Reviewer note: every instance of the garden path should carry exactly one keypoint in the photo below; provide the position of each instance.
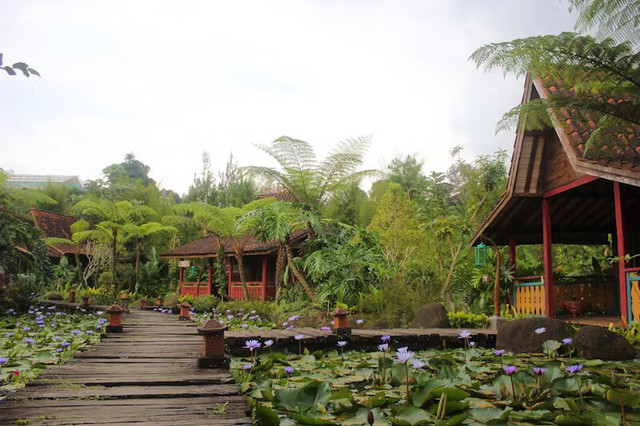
(147, 374)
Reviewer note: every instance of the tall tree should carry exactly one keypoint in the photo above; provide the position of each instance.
(141, 232)
(307, 180)
(396, 222)
(110, 221)
(618, 19)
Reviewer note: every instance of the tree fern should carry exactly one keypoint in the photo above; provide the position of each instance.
(618, 19)
(587, 81)
(308, 181)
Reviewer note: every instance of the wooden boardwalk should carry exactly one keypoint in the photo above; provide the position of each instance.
(147, 374)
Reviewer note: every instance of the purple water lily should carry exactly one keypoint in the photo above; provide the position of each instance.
(404, 355)
(289, 370)
(574, 368)
(509, 369)
(498, 352)
(567, 341)
(4, 360)
(342, 343)
(539, 371)
(383, 347)
(252, 344)
(417, 364)
(385, 338)
(268, 343)
(464, 334)
(540, 330)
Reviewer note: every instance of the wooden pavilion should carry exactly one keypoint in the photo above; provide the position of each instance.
(555, 195)
(259, 262)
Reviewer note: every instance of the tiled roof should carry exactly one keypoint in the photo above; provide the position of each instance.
(207, 246)
(619, 151)
(40, 181)
(54, 225)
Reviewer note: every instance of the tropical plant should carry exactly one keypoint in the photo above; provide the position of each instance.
(111, 221)
(140, 233)
(304, 178)
(345, 262)
(276, 222)
(591, 80)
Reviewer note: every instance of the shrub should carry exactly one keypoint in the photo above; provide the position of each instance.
(468, 320)
(205, 303)
(21, 292)
(186, 298)
(54, 296)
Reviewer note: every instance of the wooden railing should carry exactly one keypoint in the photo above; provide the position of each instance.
(194, 289)
(593, 292)
(633, 294)
(528, 296)
(254, 288)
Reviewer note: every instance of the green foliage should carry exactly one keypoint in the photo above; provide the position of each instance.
(21, 292)
(20, 66)
(631, 332)
(54, 296)
(613, 18)
(22, 251)
(234, 188)
(395, 302)
(408, 174)
(350, 205)
(397, 224)
(189, 298)
(461, 319)
(580, 66)
(205, 303)
(344, 263)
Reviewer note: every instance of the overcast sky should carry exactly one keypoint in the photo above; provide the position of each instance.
(167, 80)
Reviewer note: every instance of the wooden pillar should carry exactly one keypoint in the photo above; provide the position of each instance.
(512, 254)
(512, 266)
(230, 269)
(210, 277)
(620, 234)
(264, 277)
(549, 288)
(179, 278)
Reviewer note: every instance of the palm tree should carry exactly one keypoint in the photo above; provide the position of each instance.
(110, 223)
(141, 232)
(276, 222)
(305, 179)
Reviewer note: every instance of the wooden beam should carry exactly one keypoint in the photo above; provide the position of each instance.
(567, 187)
(620, 231)
(548, 259)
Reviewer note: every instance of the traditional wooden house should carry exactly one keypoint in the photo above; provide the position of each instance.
(555, 195)
(54, 225)
(259, 264)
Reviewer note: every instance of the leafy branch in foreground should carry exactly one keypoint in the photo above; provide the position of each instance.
(20, 66)
(587, 80)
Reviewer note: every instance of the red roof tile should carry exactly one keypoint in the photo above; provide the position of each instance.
(54, 225)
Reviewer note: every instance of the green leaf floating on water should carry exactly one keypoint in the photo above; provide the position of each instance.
(490, 415)
(307, 419)
(314, 395)
(411, 416)
(266, 415)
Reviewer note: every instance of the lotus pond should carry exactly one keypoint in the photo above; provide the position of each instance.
(462, 386)
(42, 337)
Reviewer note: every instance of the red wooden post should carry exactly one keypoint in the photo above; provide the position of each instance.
(340, 322)
(620, 233)
(184, 311)
(513, 265)
(180, 278)
(549, 288)
(264, 277)
(230, 268)
(210, 277)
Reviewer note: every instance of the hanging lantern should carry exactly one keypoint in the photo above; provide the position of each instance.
(481, 254)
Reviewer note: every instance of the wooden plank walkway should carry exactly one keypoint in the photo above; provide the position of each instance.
(145, 375)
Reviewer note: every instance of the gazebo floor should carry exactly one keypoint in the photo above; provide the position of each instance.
(602, 320)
